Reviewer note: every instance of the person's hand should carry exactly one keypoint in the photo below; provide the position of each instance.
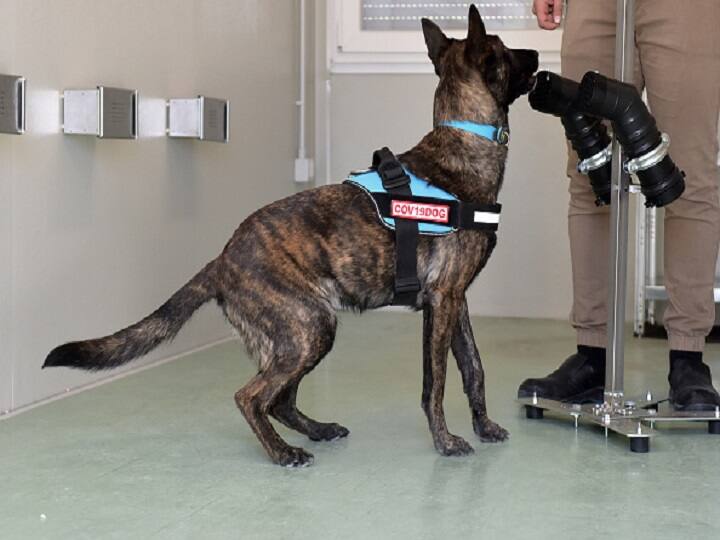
(548, 13)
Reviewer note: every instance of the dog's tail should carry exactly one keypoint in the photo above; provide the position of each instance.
(142, 337)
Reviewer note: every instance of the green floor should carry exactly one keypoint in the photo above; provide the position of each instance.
(165, 454)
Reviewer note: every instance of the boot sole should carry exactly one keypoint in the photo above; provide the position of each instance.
(594, 395)
(691, 407)
(694, 407)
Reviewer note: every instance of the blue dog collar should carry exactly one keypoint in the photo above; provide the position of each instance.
(499, 135)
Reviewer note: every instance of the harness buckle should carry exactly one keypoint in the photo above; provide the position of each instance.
(407, 284)
(393, 175)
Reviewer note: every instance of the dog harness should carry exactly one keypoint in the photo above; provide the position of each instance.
(411, 206)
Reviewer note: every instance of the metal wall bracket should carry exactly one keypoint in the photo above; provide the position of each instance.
(107, 113)
(202, 118)
(12, 104)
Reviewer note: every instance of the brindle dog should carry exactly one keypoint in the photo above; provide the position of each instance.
(291, 265)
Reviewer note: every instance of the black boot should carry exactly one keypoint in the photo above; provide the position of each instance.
(580, 379)
(691, 387)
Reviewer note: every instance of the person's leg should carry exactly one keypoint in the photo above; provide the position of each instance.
(588, 44)
(680, 55)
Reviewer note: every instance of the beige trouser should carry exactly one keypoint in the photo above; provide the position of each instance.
(677, 61)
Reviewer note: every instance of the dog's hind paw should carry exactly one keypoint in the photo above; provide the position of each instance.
(295, 457)
(328, 432)
(490, 432)
(452, 445)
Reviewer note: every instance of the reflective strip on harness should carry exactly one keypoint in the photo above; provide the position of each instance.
(486, 217)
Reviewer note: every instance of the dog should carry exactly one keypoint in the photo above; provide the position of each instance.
(291, 265)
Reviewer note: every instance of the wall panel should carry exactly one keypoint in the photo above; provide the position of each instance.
(104, 230)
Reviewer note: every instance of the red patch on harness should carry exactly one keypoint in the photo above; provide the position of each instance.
(438, 213)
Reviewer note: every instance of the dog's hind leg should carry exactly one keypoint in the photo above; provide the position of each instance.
(255, 401)
(302, 334)
(286, 411)
(468, 360)
(439, 318)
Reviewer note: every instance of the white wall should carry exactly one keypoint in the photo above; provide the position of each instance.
(98, 233)
(7, 43)
(6, 163)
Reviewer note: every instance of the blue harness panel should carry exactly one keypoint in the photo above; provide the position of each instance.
(371, 182)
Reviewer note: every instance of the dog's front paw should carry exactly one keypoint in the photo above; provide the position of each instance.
(489, 431)
(452, 445)
(328, 432)
(294, 457)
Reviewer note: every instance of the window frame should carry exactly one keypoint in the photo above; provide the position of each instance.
(353, 50)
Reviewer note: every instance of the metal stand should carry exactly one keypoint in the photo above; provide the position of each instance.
(634, 419)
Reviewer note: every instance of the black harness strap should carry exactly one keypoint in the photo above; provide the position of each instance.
(397, 183)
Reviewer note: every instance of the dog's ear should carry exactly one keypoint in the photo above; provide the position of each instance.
(477, 35)
(437, 42)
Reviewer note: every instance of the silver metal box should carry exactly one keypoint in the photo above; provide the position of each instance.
(12, 104)
(203, 118)
(108, 113)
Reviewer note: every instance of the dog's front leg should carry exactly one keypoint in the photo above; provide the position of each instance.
(439, 319)
(473, 377)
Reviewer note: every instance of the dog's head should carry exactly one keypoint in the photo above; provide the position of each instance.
(473, 69)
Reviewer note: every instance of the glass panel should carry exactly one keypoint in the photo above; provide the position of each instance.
(397, 15)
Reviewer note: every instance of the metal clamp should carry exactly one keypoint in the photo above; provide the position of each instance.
(592, 163)
(652, 158)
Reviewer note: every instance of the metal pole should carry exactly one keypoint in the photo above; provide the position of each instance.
(624, 56)
(652, 258)
(641, 272)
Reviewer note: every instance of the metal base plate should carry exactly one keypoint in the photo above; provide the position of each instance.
(633, 419)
